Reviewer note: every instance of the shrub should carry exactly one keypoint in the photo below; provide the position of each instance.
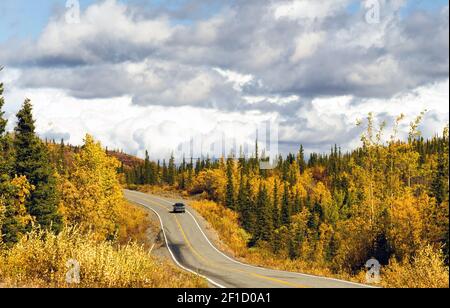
(39, 260)
(426, 270)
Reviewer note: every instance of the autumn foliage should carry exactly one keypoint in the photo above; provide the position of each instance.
(330, 214)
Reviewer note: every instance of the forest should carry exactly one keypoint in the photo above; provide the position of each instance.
(328, 213)
(62, 208)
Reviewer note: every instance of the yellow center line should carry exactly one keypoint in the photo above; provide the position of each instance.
(231, 269)
(210, 263)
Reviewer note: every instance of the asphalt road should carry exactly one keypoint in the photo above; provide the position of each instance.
(191, 250)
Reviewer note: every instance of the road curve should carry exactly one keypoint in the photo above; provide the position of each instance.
(193, 251)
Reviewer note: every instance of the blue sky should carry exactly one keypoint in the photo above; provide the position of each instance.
(26, 18)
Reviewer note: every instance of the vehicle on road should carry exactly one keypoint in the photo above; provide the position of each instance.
(179, 208)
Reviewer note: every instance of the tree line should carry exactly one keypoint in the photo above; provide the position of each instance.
(385, 199)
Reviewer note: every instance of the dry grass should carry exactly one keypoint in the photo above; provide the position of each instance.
(39, 260)
(133, 223)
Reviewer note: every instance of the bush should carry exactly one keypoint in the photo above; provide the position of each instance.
(226, 223)
(426, 270)
(132, 223)
(40, 258)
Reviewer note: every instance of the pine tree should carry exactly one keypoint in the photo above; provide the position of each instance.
(285, 207)
(3, 121)
(264, 222)
(246, 208)
(301, 160)
(229, 198)
(32, 161)
(165, 178)
(276, 207)
(61, 163)
(171, 172)
(6, 149)
(147, 169)
(438, 186)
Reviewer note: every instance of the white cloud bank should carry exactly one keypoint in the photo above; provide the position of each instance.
(137, 80)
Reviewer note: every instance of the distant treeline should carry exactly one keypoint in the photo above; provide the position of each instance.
(384, 199)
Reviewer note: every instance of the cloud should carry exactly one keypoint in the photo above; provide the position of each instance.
(316, 65)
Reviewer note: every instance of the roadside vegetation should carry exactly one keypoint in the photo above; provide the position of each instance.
(61, 204)
(331, 213)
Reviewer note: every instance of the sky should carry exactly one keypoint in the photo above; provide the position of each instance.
(163, 75)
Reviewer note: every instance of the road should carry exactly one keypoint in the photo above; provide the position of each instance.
(191, 250)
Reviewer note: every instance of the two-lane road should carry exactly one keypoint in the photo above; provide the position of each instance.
(191, 249)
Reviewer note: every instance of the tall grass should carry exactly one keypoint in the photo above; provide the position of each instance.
(40, 260)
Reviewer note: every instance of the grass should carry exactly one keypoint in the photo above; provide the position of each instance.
(40, 260)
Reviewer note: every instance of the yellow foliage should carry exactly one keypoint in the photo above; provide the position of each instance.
(23, 190)
(406, 225)
(226, 223)
(40, 260)
(426, 270)
(212, 183)
(133, 224)
(91, 192)
(2, 217)
(355, 237)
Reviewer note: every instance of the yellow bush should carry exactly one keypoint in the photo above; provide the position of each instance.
(40, 260)
(426, 270)
(225, 222)
(133, 223)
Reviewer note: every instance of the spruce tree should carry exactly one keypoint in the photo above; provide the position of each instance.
(248, 216)
(264, 224)
(147, 169)
(301, 160)
(439, 185)
(5, 166)
(32, 161)
(6, 149)
(276, 207)
(164, 172)
(229, 198)
(171, 172)
(285, 207)
(3, 121)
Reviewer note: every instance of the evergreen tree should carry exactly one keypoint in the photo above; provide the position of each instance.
(165, 178)
(148, 176)
(229, 198)
(6, 148)
(3, 121)
(32, 161)
(245, 206)
(276, 207)
(264, 222)
(171, 172)
(61, 160)
(301, 160)
(285, 207)
(439, 187)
